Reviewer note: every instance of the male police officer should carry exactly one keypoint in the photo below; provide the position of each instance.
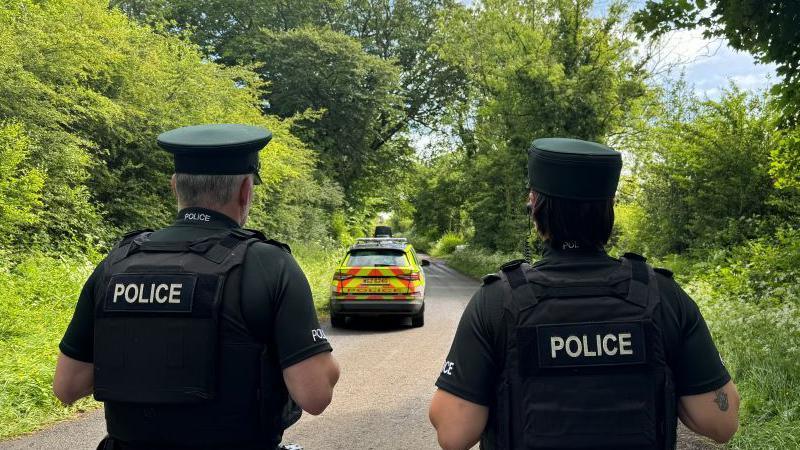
(580, 350)
(201, 334)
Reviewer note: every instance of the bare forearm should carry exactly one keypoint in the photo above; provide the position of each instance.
(311, 382)
(458, 422)
(73, 379)
(713, 414)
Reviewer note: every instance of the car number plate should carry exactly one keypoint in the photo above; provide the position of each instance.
(374, 290)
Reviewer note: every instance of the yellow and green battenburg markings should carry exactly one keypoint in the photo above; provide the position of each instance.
(378, 283)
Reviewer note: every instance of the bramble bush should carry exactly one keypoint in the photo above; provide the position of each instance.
(447, 244)
(319, 261)
(476, 261)
(420, 242)
(751, 301)
(39, 295)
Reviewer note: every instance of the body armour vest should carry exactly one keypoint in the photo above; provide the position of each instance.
(584, 363)
(173, 363)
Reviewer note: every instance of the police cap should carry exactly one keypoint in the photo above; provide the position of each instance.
(573, 169)
(216, 149)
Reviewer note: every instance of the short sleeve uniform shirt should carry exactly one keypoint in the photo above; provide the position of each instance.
(274, 291)
(475, 362)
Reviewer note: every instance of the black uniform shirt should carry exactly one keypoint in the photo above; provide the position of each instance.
(473, 366)
(276, 299)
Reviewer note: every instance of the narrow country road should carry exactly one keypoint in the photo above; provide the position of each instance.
(381, 401)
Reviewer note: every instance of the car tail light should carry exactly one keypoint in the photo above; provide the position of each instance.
(414, 276)
(342, 276)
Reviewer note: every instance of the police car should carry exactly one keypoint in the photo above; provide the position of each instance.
(379, 277)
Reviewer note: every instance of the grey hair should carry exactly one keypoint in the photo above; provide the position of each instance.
(206, 190)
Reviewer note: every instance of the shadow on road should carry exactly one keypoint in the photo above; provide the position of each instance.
(357, 326)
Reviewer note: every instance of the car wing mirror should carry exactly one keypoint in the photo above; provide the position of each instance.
(425, 263)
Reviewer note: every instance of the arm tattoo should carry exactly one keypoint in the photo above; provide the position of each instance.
(721, 399)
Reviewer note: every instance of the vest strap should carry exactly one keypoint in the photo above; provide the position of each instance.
(222, 249)
(639, 291)
(544, 292)
(516, 276)
(519, 291)
(164, 246)
(216, 252)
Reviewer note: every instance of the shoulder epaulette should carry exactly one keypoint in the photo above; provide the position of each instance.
(512, 265)
(263, 238)
(490, 278)
(635, 256)
(663, 271)
(127, 237)
(281, 245)
(250, 233)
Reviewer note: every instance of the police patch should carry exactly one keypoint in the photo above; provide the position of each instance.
(150, 293)
(584, 344)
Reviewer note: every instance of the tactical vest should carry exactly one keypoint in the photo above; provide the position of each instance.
(170, 367)
(584, 363)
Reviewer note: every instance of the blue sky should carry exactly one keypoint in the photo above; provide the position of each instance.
(708, 65)
(712, 65)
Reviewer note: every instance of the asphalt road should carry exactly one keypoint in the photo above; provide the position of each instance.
(381, 401)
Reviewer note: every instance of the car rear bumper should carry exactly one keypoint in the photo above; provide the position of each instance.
(354, 306)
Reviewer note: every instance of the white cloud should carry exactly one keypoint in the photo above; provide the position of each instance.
(708, 64)
(689, 47)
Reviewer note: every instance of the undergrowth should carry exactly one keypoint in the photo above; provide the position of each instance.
(39, 296)
(476, 261)
(319, 262)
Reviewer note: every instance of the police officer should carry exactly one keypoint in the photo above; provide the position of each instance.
(580, 350)
(202, 334)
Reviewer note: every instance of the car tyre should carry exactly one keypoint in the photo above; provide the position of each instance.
(418, 320)
(337, 321)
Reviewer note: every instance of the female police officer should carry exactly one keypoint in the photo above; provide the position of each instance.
(202, 334)
(580, 350)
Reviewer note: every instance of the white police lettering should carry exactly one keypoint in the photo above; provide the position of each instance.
(570, 245)
(197, 217)
(152, 293)
(447, 369)
(318, 334)
(625, 341)
(586, 346)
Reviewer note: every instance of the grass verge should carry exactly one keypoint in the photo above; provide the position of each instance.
(39, 296)
(318, 263)
(477, 262)
(38, 300)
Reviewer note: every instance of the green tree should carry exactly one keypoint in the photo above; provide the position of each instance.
(536, 69)
(377, 81)
(93, 89)
(765, 28)
(322, 70)
(439, 203)
(705, 180)
(20, 183)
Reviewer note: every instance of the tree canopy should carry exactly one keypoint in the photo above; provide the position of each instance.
(83, 93)
(765, 28)
(535, 69)
(363, 66)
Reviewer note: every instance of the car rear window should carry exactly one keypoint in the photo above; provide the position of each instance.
(377, 258)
